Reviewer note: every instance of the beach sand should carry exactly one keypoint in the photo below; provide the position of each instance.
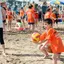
(21, 50)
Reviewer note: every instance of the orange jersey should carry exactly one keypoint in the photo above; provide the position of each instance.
(36, 15)
(53, 17)
(47, 15)
(21, 13)
(33, 11)
(54, 40)
(9, 15)
(30, 15)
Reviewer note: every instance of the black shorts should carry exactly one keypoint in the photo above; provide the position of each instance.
(31, 23)
(4, 21)
(1, 36)
(56, 21)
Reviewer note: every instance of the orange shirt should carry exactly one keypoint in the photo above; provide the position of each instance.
(36, 15)
(53, 17)
(9, 15)
(30, 15)
(47, 15)
(55, 41)
(21, 13)
(33, 11)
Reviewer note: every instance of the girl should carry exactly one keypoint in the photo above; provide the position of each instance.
(47, 14)
(22, 16)
(52, 40)
(9, 18)
(19, 25)
(30, 18)
(58, 16)
(36, 18)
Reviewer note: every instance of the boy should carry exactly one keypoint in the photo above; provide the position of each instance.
(52, 40)
(30, 18)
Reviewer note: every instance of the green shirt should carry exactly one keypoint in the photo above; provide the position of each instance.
(19, 24)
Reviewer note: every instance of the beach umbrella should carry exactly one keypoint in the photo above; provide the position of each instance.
(57, 2)
(54, 2)
(61, 2)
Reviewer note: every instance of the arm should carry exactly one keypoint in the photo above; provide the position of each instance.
(43, 41)
(52, 16)
(3, 14)
(43, 38)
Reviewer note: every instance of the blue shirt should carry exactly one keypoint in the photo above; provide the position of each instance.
(44, 8)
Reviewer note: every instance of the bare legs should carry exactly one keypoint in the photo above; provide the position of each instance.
(9, 25)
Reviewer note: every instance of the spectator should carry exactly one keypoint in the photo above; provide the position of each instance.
(44, 8)
(1, 29)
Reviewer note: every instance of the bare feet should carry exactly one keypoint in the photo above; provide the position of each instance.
(46, 57)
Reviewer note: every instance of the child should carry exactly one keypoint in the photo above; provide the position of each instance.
(58, 16)
(19, 25)
(22, 16)
(40, 15)
(30, 18)
(47, 14)
(36, 18)
(52, 39)
(9, 18)
(53, 16)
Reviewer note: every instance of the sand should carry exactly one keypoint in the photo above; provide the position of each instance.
(21, 50)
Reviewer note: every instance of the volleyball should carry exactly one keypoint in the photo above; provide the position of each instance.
(36, 37)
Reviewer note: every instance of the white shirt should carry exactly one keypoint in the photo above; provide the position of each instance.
(1, 19)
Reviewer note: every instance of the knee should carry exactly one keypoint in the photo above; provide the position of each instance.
(41, 47)
(55, 56)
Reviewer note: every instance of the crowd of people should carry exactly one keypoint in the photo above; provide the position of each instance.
(46, 14)
(39, 14)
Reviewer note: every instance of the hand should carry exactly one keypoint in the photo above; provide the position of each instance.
(40, 42)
